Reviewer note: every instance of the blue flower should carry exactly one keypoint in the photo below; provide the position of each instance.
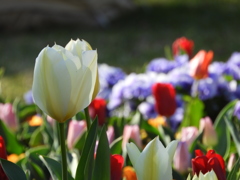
(161, 65)
(207, 88)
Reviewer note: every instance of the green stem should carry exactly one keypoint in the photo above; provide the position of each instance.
(88, 120)
(63, 150)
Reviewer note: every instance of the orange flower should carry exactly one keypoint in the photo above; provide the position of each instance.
(35, 120)
(158, 121)
(199, 64)
(15, 158)
(129, 173)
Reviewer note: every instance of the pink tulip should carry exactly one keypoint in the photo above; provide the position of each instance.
(231, 161)
(189, 134)
(75, 131)
(133, 132)
(8, 116)
(209, 133)
(182, 157)
(110, 134)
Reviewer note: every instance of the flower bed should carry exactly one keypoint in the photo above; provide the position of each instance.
(180, 119)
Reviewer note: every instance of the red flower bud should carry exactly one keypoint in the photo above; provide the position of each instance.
(164, 95)
(182, 44)
(117, 162)
(98, 108)
(3, 155)
(206, 163)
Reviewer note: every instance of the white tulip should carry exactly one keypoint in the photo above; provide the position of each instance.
(63, 82)
(154, 162)
(208, 176)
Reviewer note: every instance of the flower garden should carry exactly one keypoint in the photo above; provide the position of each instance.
(178, 119)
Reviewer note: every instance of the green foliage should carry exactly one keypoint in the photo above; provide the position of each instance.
(13, 171)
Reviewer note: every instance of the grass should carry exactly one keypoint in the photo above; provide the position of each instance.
(129, 42)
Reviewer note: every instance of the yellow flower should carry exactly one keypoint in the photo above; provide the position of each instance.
(65, 80)
(35, 121)
(15, 158)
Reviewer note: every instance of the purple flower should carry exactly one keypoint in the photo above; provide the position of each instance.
(237, 110)
(207, 88)
(110, 75)
(181, 60)
(180, 78)
(147, 110)
(232, 70)
(235, 59)
(28, 97)
(176, 118)
(216, 68)
(161, 65)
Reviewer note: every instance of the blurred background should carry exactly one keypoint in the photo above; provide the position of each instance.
(126, 33)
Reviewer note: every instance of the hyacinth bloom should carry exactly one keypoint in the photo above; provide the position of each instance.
(165, 99)
(8, 116)
(131, 132)
(65, 79)
(182, 45)
(98, 108)
(207, 176)
(199, 64)
(206, 163)
(209, 134)
(129, 173)
(3, 155)
(189, 134)
(75, 131)
(154, 162)
(182, 159)
(116, 163)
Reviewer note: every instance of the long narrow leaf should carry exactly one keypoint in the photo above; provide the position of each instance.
(88, 151)
(102, 170)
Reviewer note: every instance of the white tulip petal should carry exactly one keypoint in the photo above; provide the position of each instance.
(156, 162)
(171, 148)
(133, 152)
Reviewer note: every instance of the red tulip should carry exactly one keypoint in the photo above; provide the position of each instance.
(98, 108)
(117, 162)
(206, 163)
(182, 44)
(199, 64)
(3, 155)
(164, 95)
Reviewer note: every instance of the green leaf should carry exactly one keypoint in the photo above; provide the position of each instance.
(149, 128)
(235, 174)
(235, 134)
(26, 111)
(88, 152)
(36, 171)
(195, 143)
(13, 171)
(177, 175)
(116, 146)
(224, 139)
(102, 170)
(12, 144)
(193, 112)
(54, 168)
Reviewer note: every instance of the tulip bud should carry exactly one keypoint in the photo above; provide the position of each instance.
(110, 134)
(3, 155)
(129, 173)
(181, 158)
(116, 164)
(207, 176)
(8, 116)
(231, 162)
(133, 132)
(182, 44)
(98, 108)
(165, 101)
(199, 64)
(65, 83)
(189, 134)
(75, 131)
(209, 133)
